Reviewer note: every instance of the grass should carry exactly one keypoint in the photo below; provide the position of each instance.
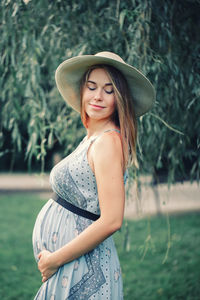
(145, 275)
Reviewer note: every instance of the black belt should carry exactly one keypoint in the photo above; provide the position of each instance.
(76, 210)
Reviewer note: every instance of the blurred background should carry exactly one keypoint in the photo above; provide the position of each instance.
(37, 129)
(161, 38)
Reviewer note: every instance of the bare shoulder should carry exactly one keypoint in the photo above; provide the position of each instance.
(108, 147)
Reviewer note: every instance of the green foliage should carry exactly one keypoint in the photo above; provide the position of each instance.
(174, 40)
(159, 38)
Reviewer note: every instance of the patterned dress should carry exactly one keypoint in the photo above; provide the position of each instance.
(95, 275)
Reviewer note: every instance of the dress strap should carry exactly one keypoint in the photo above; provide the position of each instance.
(98, 136)
(114, 129)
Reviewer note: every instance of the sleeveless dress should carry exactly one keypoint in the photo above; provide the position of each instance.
(95, 275)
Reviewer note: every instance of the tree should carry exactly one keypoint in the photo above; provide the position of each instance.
(160, 38)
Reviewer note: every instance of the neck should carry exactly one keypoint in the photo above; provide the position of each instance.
(97, 127)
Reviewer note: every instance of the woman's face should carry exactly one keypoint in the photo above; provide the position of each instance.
(98, 97)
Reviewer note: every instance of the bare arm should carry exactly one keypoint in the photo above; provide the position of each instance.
(108, 166)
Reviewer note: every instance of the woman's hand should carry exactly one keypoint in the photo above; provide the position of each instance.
(46, 265)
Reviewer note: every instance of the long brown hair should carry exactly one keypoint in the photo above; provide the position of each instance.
(124, 115)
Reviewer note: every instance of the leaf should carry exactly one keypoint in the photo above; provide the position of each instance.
(122, 18)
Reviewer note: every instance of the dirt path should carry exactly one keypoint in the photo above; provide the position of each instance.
(158, 200)
(179, 198)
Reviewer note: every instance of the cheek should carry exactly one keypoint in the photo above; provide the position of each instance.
(86, 96)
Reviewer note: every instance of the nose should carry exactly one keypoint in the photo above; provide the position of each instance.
(97, 95)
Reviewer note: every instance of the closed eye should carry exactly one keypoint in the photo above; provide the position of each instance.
(91, 85)
(109, 92)
(108, 88)
(91, 88)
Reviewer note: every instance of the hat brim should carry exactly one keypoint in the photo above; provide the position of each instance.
(70, 72)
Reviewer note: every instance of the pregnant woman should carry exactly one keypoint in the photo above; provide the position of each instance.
(72, 237)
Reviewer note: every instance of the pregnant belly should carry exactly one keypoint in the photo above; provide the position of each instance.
(54, 227)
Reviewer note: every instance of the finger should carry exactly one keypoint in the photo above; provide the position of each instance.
(39, 255)
(40, 267)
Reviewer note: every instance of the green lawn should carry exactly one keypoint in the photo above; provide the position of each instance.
(144, 276)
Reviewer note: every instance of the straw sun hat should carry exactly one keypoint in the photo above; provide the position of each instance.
(69, 74)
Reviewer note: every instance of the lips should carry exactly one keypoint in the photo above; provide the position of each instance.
(97, 106)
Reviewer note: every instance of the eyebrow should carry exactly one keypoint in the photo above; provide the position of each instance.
(107, 84)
